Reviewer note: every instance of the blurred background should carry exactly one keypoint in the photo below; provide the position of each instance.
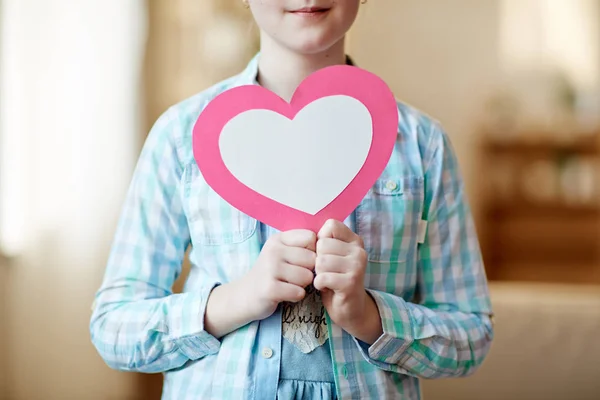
(516, 83)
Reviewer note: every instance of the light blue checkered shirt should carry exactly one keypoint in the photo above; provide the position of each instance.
(432, 296)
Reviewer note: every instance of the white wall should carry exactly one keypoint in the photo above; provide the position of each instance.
(436, 59)
(70, 76)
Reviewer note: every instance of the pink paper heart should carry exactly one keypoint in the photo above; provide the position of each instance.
(344, 80)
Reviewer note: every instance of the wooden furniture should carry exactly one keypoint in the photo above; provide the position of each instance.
(541, 219)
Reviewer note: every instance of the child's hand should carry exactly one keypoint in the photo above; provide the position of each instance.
(282, 271)
(340, 268)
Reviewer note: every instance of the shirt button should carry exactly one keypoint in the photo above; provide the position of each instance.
(391, 185)
(267, 352)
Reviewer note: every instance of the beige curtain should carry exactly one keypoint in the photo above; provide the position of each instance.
(70, 116)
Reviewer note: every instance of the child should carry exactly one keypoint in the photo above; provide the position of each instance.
(402, 302)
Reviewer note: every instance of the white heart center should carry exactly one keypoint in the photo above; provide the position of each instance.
(304, 163)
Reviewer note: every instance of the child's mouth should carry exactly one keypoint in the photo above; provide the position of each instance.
(310, 12)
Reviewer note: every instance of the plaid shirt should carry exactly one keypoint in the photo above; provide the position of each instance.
(432, 296)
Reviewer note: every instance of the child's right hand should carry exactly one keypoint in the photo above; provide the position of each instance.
(283, 269)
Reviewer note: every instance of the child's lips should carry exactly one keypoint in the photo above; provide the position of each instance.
(310, 12)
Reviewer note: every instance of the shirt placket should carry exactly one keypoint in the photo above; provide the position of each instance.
(267, 357)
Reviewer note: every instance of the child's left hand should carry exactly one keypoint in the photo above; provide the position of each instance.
(340, 274)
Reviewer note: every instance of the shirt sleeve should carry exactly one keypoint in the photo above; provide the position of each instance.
(449, 332)
(138, 324)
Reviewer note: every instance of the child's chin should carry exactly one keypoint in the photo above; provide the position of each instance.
(313, 45)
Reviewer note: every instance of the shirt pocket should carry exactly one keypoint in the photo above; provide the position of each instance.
(212, 221)
(388, 219)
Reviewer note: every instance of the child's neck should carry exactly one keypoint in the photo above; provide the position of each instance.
(282, 70)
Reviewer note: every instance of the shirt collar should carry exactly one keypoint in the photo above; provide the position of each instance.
(249, 75)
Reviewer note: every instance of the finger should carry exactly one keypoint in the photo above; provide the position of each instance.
(284, 291)
(300, 257)
(333, 246)
(337, 230)
(332, 281)
(298, 276)
(299, 238)
(331, 263)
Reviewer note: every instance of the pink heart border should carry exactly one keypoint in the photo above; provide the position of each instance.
(351, 81)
